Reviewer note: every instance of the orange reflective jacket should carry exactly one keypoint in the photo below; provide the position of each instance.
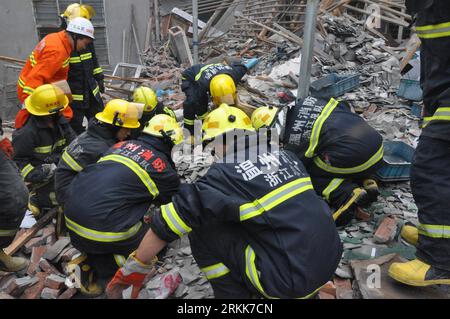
(48, 63)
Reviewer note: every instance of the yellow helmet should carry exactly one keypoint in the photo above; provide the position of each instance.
(45, 100)
(121, 113)
(224, 119)
(146, 96)
(264, 116)
(76, 10)
(165, 126)
(223, 90)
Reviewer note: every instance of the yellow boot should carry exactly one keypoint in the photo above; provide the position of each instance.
(84, 277)
(419, 274)
(11, 264)
(410, 234)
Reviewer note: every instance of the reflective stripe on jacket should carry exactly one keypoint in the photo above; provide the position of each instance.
(48, 63)
(294, 245)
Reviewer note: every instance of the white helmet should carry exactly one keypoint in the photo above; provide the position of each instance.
(81, 26)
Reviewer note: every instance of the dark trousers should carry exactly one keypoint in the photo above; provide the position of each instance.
(43, 195)
(224, 243)
(13, 200)
(78, 115)
(322, 179)
(430, 184)
(105, 257)
(195, 104)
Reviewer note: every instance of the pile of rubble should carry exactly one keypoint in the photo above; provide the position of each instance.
(371, 240)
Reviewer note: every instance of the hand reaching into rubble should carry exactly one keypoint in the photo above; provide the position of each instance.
(133, 273)
(138, 266)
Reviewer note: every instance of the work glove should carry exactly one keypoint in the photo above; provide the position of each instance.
(249, 64)
(133, 273)
(48, 171)
(101, 86)
(6, 146)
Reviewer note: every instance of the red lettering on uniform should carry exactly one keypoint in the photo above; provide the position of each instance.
(132, 147)
(118, 145)
(159, 165)
(146, 154)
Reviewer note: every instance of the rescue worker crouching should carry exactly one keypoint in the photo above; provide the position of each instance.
(103, 132)
(13, 205)
(256, 228)
(105, 223)
(152, 107)
(85, 76)
(218, 81)
(339, 149)
(39, 143)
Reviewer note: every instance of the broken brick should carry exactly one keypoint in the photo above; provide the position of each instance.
(17, 286)
(329, 288)
(343, 288)
(4, 280)
(36, 254)
(34, 292)
(324, 295)
(69, 293)
(69, 254)
(55, 282)
(48, 268)
(34, 242)
(56, 248)
(361, 214)
(49, 293)
(386, 231)
(4, 296)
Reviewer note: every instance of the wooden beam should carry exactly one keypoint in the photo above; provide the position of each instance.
(393, 21)
(29, 233)
(409, 55)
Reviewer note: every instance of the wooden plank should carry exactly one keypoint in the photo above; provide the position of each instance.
(289, 33)
(397, 22)
(209, 24)
(409, 55)
(29, 233)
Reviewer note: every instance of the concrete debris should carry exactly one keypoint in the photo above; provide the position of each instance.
(49, 293)
(373, 281)
(344, 46)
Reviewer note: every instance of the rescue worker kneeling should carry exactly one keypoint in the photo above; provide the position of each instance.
(339, 149)
(103, 131)
(107, 201)
(256, 228)
(13, 205)
(152, 107)
(39, 143)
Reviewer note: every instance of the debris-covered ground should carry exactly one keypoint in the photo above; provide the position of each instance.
(371, 240)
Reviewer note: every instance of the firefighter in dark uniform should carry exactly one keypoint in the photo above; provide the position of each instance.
(13, 205)
(85, 77)
(102, 133)
(105, 223)
(430, 171)
(152, 107)
(218, 81)
(39, 143)
(256, 226)
(339, 149)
